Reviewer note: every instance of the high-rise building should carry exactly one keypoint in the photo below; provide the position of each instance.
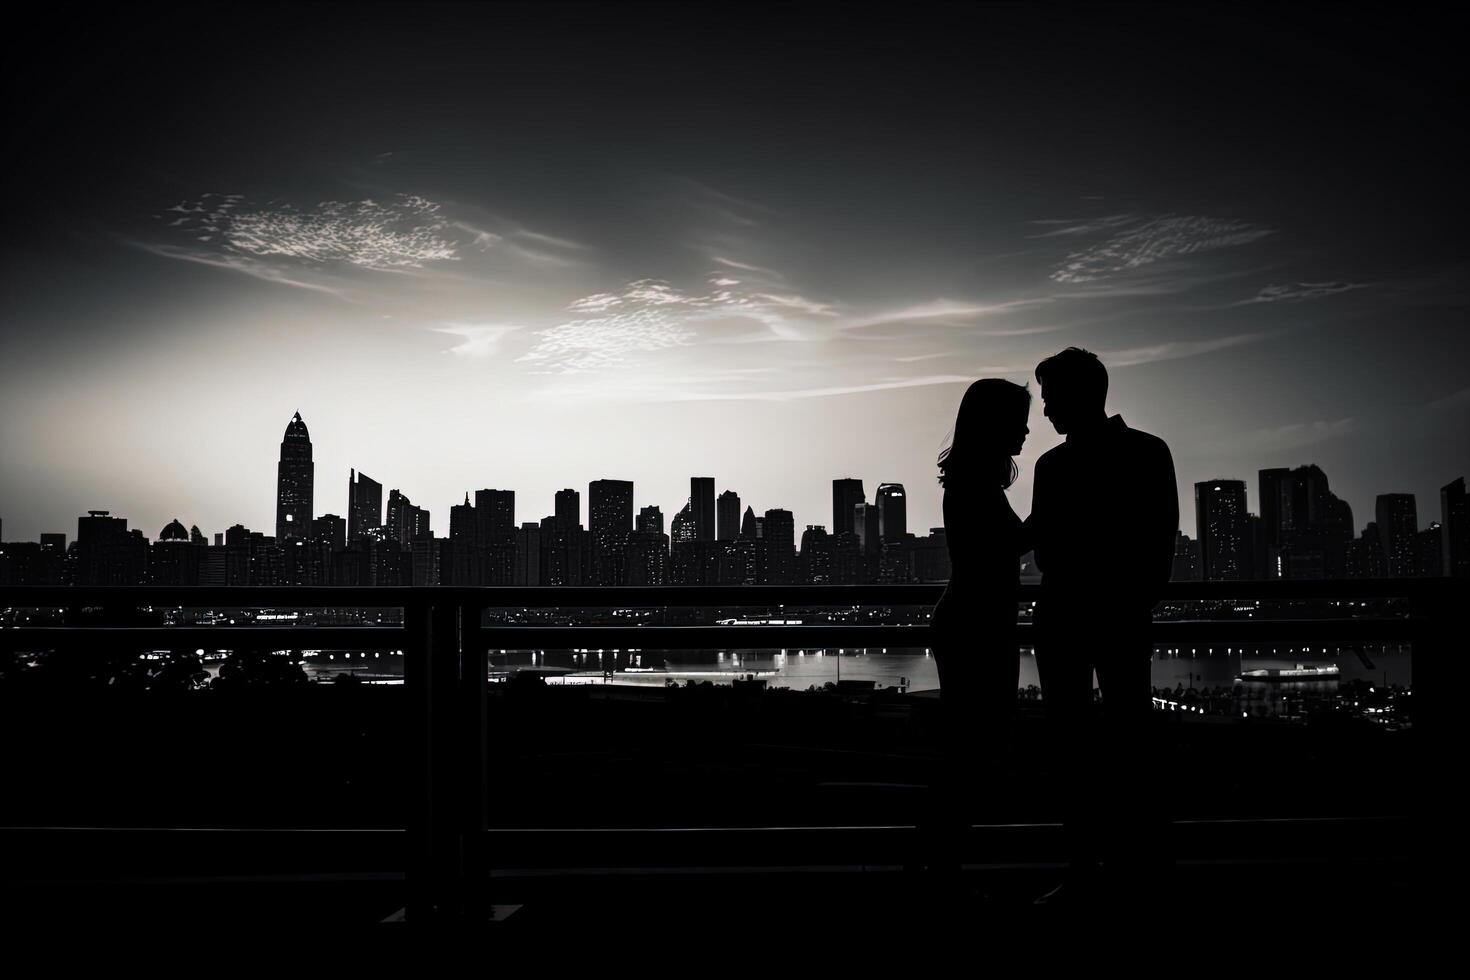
(1305, 527)
(892, 512)
(1398, 524)
(847, 493)
(1365, 555)
(1454, 529)
(684, 528)
(931, 557)
(462, 525)
(778, 531)
(650, 520)
(55, 541)
(814, 561)
(108, 553)
(331, 530)
(364, 506)
(1186, 558)
(568, 510)
(702, 505)
(865, 525)
(610, 520)
(747, 524)
(294, 477)
(1223, 529)
(407, 524)
(728, 507)
(528, 554)
(648, 555)
(1428, 545)
(495, 517)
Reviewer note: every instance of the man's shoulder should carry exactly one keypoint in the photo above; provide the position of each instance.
(1053, 456)
(1142, 441)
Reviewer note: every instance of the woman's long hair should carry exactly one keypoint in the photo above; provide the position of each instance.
(977, 450)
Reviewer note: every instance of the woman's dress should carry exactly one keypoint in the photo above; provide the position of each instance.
(975, 646)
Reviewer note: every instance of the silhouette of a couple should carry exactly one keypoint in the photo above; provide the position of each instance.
(1104, 514)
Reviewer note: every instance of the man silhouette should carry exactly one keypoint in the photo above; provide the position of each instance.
(1104, 513)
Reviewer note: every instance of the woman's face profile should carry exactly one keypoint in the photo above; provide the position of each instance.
(1019, 431)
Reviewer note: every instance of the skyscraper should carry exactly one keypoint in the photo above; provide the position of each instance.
(847, 493)
(729, 516)
(747, 524)
(1223, 529)
(406, 523)
(1398, 523)
(568, 510)
(702, 505)
(684, 529)
(815, 560)
(495, 516)
(364, 506)
(331, 530)
(778, 532)
(1454, 529)
(610, 520)
(892, 512)
(528, 554)
(865, 524)
(462, 523)
(294, 478)
(1305, 527)
(650, 520)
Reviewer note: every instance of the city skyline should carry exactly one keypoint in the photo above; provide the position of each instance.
(773, 270)
(495, 509)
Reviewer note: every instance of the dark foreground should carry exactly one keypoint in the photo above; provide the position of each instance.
(779, 816)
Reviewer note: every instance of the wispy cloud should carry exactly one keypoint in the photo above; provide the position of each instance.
(1152, 241)
(237, 263)
(477, 340)
(675, 390)
(404, 233)
(1175, 349)
(939, 311)
(498, 236)
(1059, 227)
(652, 315)
(1297, 291)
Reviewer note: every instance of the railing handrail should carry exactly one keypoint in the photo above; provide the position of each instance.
(551, 596)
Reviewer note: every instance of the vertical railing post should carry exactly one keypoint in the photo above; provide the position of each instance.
(432, 675)
(473, 770)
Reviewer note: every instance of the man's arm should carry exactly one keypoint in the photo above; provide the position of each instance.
(1035, 528)
(1163, 517)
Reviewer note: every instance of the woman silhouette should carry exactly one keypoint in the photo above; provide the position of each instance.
(974, 624)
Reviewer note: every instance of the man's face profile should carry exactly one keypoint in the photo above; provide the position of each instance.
(1054, 409)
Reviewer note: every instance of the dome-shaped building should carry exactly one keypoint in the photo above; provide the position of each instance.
(175, 531)
(174, 559)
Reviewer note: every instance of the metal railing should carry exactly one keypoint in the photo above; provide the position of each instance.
(446, 642)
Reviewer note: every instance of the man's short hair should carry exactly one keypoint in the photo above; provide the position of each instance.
(1077, 370)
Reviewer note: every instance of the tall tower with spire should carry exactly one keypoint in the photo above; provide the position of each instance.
(294, 478)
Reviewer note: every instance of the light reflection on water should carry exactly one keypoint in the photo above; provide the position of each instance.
(912, 668)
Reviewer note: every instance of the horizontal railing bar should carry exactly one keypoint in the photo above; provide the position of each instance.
(767, 637)
(659, 595)
(666, 637)
(209, 637)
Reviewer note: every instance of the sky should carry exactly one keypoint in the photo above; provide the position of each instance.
(531, 247)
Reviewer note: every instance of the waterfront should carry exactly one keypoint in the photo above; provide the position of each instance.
(913, 670)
